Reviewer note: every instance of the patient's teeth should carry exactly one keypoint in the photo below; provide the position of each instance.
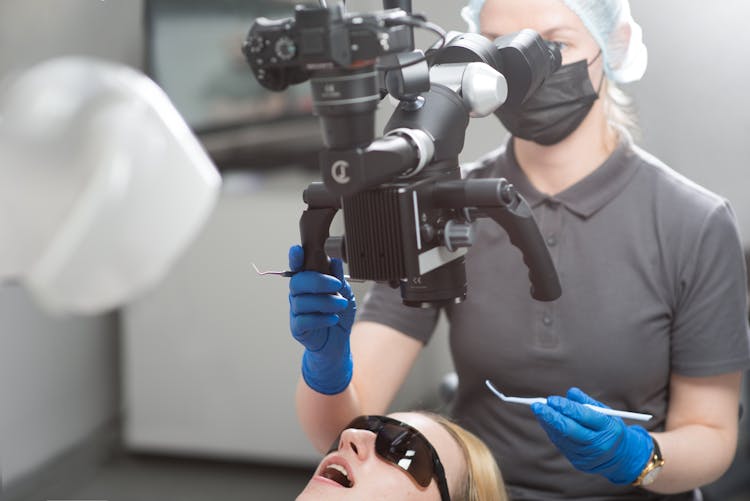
(340, 469)
(338, 474)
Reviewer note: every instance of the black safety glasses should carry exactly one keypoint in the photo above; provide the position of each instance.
(405, 447)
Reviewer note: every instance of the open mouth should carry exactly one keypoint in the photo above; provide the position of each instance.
(338, 473)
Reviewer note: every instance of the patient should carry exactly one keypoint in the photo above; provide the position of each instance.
(411, 455)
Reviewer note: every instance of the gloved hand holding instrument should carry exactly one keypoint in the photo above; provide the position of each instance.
(594, 442)
(321, 314)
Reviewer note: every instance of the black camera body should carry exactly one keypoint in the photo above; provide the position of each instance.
(284, 52)
(408, 215)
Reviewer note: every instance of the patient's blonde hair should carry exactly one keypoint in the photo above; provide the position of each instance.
(483, 481)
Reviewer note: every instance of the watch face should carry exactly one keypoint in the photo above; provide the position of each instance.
(651, 476)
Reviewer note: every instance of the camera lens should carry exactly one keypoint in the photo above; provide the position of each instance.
(346, 101)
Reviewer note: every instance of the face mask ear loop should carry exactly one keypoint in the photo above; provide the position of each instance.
(601, 80)
(598, 54)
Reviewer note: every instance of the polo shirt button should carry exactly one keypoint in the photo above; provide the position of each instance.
(552, 240)
(547, 320)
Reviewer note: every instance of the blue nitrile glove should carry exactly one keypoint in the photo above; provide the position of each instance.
(321, 314)
(594, 442)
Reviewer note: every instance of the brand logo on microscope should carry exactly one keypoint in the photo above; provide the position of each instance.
(338, 171)
(330, 92)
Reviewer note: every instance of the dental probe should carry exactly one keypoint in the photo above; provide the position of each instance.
(289, 273)
(541, 400)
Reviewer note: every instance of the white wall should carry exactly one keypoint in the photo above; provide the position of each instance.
(58, 378)
(58, 381)
(694, 104)
(35, 30)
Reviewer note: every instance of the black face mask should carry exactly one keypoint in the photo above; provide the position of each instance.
(556, 109)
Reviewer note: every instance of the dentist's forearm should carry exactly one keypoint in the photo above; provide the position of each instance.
(324, 416)
(695, 455)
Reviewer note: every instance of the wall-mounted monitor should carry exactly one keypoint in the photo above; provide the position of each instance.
(194, 53)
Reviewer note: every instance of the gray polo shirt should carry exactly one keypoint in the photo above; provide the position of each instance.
(653, 281)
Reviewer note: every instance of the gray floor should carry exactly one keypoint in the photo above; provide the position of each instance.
(155, 478)
(144, 478)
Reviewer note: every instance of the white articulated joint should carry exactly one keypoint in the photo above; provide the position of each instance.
(423, 143)
(483, 88)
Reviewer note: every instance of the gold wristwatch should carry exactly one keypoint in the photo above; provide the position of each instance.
(652, 468)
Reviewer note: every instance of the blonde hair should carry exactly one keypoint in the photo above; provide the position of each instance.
(620, 110)
(483, 480)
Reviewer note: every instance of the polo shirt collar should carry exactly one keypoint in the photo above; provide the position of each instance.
(589, 194)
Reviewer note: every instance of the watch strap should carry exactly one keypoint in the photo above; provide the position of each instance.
(655, 462)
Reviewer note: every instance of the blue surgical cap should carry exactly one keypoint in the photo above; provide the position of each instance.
(613, 28)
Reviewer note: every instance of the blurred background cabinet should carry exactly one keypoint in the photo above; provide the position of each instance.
(209, 366)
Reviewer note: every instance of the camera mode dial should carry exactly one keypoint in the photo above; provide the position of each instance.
(285, 48)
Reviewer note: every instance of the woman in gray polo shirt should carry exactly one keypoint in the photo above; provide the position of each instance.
(653, 316)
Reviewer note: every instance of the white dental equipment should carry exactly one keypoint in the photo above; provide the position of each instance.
(102, 184)
(541, 400)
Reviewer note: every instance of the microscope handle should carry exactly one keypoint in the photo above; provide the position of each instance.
(313, 228)
(518, 221)
(499, 200)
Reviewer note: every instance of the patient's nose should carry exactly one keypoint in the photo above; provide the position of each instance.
(361, 442)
